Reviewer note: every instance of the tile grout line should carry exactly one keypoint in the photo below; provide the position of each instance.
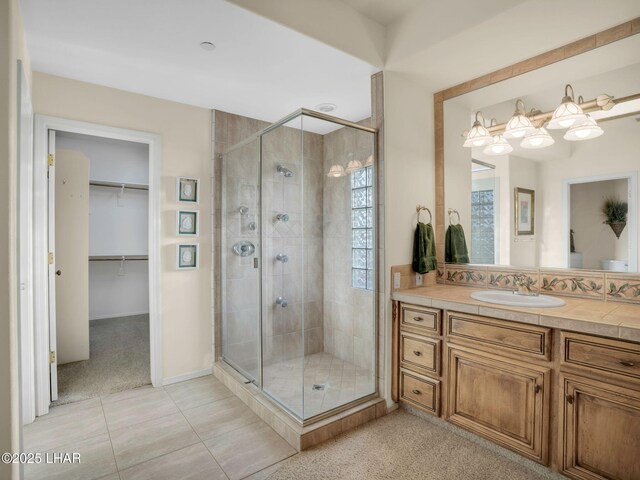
(113, 452)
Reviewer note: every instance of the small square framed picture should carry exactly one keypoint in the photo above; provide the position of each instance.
(187, 222)
(187, 256)
(187, 189)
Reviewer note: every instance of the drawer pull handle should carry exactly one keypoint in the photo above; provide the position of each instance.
(569, 399)
(418, 319)
(416, 391)
(417, 353)
(626, 363)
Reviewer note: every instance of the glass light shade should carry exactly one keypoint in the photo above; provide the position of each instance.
(478, 136)
(499, 146)
(539, 138)
(353, 166)
(369, 162)
(567, 115)
(336, 171)
(518, 126)
(584, 131)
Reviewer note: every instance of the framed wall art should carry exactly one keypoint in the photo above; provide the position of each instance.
(187, 256)
(187, 190)
(525, 211)
(187, 222)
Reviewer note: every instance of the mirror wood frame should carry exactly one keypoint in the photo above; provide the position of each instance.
(569, 50)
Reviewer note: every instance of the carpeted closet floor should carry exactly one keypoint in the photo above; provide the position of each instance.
(119, 349)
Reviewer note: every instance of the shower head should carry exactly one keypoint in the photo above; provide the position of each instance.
(285, 171)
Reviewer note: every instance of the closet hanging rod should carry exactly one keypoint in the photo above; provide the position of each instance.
(118, 258)
(134, 186)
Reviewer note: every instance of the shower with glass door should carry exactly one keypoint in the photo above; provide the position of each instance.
(298, 267)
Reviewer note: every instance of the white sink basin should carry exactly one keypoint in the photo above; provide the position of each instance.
(510, 298)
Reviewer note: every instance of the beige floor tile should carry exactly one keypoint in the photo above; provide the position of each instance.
(144, 441)
(191, 463)
(71, 408)
(265, 473)
(220, 417)
(138, 409)
(128, 394)
(96, 461)
(113, 476)
(45, 435)
(197, 392)
(248, 450)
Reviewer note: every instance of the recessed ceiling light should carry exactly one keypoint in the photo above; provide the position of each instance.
(326, 107)
(208, 46)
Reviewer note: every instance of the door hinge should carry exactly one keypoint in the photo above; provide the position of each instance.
(50, 258)
(51, 158)
(52, 357)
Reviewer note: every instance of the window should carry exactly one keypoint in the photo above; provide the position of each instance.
(362, 228)
(482, 227)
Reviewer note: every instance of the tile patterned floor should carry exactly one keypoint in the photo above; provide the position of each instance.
(343, 382)
(191, 430)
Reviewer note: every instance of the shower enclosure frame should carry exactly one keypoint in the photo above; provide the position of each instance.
(259, 381)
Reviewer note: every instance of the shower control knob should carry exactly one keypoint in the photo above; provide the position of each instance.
(282, 217)
(282, 302)
(282, 257)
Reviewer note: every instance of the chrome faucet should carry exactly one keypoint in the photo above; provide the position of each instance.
(523, 284)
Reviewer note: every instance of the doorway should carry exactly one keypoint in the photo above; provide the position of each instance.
(98, 194)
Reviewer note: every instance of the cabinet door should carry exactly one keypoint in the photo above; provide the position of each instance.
(601, 430)
(504, 400)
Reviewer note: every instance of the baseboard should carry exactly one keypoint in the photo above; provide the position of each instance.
(187, 376)
(117, 315)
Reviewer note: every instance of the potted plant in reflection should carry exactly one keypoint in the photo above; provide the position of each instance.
(615, 214)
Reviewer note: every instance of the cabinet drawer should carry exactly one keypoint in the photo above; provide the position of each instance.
(602, 354)
(420, 391)
(508, 337)
(420, 353)
(421, 320)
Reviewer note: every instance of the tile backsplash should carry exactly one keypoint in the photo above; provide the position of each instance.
(598, 285)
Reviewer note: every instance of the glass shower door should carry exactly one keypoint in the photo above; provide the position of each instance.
(240, 269)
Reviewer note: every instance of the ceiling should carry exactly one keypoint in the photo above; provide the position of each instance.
(259, 68)
(384, 12)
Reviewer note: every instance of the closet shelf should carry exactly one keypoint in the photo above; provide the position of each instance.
(117, 258)
(133, 186)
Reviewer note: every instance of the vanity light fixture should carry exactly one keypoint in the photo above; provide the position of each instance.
(568, 114)
(539, 138)
(584, 131)
(478, 136)
(336, 171)
(499, 146)
(519, 125)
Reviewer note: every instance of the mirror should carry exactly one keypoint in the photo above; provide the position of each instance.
(543, 207)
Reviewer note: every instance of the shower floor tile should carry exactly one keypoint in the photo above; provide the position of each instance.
(340, 382)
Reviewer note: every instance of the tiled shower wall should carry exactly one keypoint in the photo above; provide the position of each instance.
(298, 280)
(348, 329)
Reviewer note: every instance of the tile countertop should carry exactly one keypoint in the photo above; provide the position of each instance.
(608, 319)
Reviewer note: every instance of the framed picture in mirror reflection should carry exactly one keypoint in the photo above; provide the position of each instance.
(525, 211)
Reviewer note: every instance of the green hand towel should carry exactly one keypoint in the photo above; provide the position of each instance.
(424, 249)
(455, 245)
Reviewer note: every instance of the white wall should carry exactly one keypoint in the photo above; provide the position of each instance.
(523, 173)
(186, 151)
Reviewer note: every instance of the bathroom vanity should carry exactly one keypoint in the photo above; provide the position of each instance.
(560, 386)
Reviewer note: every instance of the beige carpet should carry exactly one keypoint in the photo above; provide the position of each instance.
(403, 446)
(119, 350)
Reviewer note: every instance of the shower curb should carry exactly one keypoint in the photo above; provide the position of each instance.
(299, 436)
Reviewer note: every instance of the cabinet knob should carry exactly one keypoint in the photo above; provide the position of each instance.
(537, 388)
(417, 353)
(418, 319)
(626, 363)
(569, 399)
(416, 391)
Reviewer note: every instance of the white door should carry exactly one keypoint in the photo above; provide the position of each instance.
(53, 367)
